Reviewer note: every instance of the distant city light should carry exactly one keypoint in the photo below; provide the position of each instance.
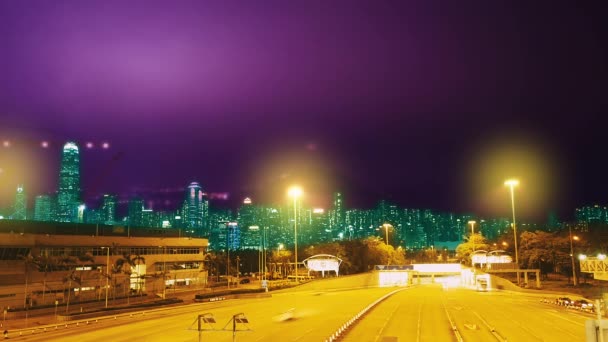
(318, 211)
(105, 145)
(89, 145)
(44, 144)
(219, 195)
(247, 200)
(6, 143)
(582, 257)
(601, 256)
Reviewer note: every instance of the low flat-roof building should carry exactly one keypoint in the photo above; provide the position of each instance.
(41, 263)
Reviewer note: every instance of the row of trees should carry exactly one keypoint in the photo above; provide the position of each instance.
(357, 256)
(77, 271)
(548, 251)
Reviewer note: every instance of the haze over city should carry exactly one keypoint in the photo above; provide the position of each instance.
(426, 105)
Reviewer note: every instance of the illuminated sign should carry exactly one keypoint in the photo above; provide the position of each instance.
(318, 211)
(322, 263)
(254, 227)
(247, 200)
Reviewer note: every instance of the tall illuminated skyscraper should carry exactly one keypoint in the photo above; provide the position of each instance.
(20, 208)
(43, 208)
(68, 196)
(109, 209)
(195, 208)
(136, 217)
(337, 213)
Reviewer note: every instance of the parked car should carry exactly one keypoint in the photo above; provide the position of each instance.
(564, 301)
(245, 281)
(582, 305)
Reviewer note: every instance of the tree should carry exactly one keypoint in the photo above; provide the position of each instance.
(473, 242)
(44, 264)
(68, 263)
(125, 265)
(82, 259)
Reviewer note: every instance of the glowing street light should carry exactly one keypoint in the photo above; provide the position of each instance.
(386, 226)
(601, 256)
(472, 223)
(295, 192)
(511, 183)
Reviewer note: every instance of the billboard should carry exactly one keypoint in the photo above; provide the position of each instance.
(322, 263)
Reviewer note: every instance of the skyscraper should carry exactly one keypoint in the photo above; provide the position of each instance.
(195, 208)
(43, 208)
(20, 208)
(136, 207)
(109, 209)
(337, 212)
(68, 196)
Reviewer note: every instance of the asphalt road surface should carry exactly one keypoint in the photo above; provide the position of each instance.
(430, 313)
(421, 313)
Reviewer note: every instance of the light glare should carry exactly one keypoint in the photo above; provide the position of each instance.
(295, 191)
(511, 182)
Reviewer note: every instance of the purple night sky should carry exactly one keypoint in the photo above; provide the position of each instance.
(427, 104)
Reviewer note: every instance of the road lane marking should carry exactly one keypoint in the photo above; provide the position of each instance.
(389, 317)
(566, 319)
(303, 335)
(419, 321)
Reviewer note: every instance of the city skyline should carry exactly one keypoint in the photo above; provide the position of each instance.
(426, 106)
(69, 176)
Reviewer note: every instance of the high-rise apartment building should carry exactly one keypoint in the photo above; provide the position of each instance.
(337, 217)
(249, 222)
(68, 196)
(43, 208)
(20, 207)
(109, 209)
(592, 214)
(136, 207)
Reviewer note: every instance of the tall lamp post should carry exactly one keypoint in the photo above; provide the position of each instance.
(386, 226)
(511, 183)
(295, 192)
(472, 223)
(574, 280)
(107, 271)
(164, 272)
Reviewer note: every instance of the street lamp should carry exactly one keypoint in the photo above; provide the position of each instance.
(295, 192)
(472, 223)
(386, 226)
(511, 183)
(164, 271)
(107, 271)
(574, 280)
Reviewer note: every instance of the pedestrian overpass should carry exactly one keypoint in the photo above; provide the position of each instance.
(402, 275)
